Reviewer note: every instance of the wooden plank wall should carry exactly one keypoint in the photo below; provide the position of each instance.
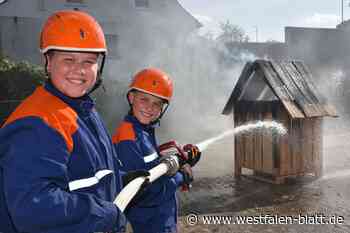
(302, 151)
(267, 148)
(248, 146)
(308, 142)
(258, 146)
(239, 144)
(297, 153)
(317, 149)
(256, 149)
(284, 148)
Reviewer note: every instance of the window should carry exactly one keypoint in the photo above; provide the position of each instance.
(75, 1)
(41, 5)
(141, 3)
(112, 45)
(75, 4)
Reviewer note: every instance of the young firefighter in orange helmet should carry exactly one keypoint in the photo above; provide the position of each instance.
(156, 209)
(58, 168)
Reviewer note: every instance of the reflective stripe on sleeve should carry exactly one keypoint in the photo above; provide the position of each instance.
(88, 182)
(150, 158)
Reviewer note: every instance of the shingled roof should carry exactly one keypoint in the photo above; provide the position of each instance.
(290, 82)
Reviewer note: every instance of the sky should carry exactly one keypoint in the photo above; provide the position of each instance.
(266, 20)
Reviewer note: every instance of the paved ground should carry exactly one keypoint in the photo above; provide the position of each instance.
(328, 196)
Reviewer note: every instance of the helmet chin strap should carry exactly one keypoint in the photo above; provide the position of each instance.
(157, 121)
(99, 79)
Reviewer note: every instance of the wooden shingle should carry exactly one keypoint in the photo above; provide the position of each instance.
(291, 82)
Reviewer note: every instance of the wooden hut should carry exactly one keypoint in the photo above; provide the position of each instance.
(282, 92)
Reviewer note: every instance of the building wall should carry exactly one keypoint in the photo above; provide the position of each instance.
(314, 45)
(17, 38)
(139, 33)
(132, 31)
(268, 50)
(103, 10)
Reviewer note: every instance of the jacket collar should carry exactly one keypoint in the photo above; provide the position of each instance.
(82, 104)
(132, 119)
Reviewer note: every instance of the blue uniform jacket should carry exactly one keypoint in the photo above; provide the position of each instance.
(49, 148)
(156, 210)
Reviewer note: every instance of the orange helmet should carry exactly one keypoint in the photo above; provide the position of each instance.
(72, 30)
(154, 82)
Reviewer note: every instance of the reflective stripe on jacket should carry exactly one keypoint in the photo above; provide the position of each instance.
(156, 210)
(58, 169)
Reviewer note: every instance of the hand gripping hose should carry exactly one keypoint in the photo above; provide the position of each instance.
(168, 166)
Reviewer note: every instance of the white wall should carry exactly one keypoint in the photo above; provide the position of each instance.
(138, 31)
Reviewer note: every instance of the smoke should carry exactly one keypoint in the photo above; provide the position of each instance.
(204, 74)
(335, 85)
(202, 88)
(203, 83)
(328, 61)
(260, 126)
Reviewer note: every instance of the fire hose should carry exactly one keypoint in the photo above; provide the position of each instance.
(170, 162)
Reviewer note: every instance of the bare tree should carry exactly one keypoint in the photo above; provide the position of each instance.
(231, 33)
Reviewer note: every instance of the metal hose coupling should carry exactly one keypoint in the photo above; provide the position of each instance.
(172, 163)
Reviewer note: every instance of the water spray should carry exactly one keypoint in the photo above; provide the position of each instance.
(273, 126)
(171, 162)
